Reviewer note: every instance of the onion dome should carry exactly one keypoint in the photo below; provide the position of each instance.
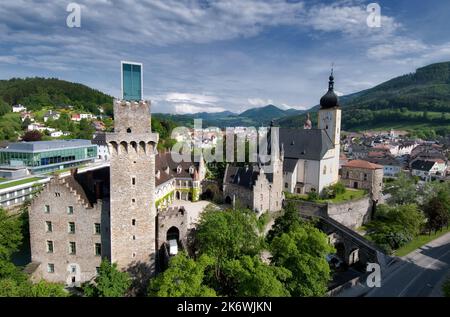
(330, 99)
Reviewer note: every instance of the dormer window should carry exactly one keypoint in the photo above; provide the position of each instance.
(191, 170)
(158, 174)
(179, 169)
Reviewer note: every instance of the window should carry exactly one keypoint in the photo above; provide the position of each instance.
(71, 227)
(129, 130)
(133, 181)
(365, 177)
(134, 237)
(97, 269)
(49, 226)
(286, 185)
(98, 249)
(348, 174)
(73, 279)
(46, 209)
(324, 170)
(49, 246)
(97, 228)
(133, 222)
(51, 268)
(70, 210)
(73, 269)
(57, 194)
(133, 200)
(72, 248)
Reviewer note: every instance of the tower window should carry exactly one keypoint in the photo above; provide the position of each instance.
(133, 222)
(51, 268)
(49, 226)
(71, 227)
(72, 248)
(98, 249)
(97, 228)
(70, 210)
(128, 130)
(47, 209)
(133, 200)
(133, 181)
(49, 246)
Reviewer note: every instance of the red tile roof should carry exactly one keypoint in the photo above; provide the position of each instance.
(362, 164)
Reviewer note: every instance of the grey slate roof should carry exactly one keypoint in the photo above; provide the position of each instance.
(36, 146)
(422, 165)
(242, 176)
(305, 144)
(289, 164)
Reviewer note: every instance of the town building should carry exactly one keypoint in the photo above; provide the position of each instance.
(359, 174)
(46, 156)
(69, 227)
(18, 108)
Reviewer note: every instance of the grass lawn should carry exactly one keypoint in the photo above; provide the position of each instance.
(3, 179)
(350, 194)
(419, 241)
(19, 182)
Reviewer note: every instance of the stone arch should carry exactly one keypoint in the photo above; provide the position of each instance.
(134, 146)
(228, 200)
(142, 147)
(113, 148)
(173, 234)
(123, 147)
(150, 147)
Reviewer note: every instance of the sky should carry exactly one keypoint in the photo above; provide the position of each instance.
(211, 55)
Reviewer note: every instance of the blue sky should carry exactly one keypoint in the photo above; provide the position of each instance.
(210, 55)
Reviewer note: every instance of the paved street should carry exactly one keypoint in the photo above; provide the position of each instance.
(419, 274)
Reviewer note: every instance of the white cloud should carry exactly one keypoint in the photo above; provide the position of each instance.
(176, 97)
(184, 108)
(259, 102)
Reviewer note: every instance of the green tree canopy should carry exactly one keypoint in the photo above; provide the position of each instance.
(303, 251)
(228, 234)
(183, 278)
(249, 276)
(402, 190)
(110, 282)
(10, 234)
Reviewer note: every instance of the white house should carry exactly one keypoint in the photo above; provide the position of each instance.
(427, 169)
(18, 108)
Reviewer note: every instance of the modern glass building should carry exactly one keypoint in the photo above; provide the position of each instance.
(132, 79)
(45, 156)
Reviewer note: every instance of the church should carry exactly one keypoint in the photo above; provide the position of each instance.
(311, 155)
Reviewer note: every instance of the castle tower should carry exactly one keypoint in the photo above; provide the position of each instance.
(132, 175)
(330, 121)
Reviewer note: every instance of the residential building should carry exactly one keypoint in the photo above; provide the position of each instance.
(359, 174)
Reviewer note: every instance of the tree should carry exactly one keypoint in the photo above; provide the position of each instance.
(303, 251)
(282, 224)
(25, 123)
(394, 226)
(33, 135)
(110, 282)
(183, 278)
(249, 276)
(10, 234)
(46, 289)
(228, 234)
(402, 190)
(85, 130)
(437, 212)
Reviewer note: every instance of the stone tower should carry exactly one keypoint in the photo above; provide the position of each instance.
(132, 176)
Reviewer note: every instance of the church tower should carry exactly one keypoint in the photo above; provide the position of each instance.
(330, 122)
(132, 176)
(330, 114)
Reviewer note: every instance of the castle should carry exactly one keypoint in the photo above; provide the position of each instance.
(122, 213)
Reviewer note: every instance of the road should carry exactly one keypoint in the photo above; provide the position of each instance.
(419, 274)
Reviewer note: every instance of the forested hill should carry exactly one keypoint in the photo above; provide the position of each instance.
(36, 93)
(419, 100)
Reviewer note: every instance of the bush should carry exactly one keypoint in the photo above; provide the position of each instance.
(313, 196)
